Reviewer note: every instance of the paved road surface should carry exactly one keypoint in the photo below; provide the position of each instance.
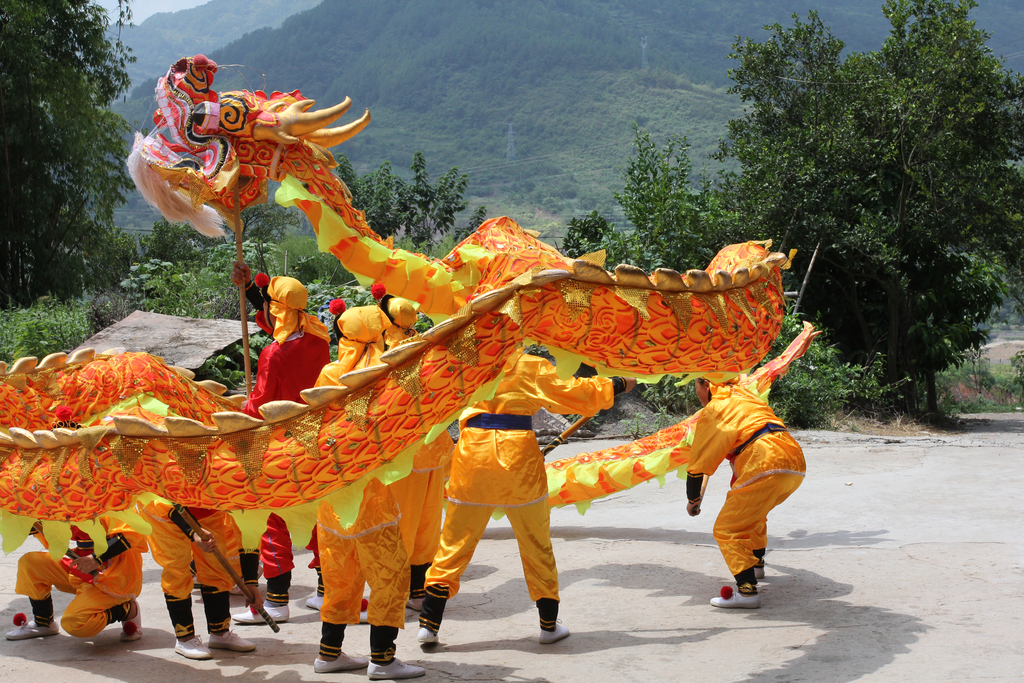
(899, 559)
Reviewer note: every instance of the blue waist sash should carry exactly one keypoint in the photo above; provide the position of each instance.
(499, 421)
(767, 429)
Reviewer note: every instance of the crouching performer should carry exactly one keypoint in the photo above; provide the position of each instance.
(105, 586)
(767, 465)
(498, 464)
(371, 550)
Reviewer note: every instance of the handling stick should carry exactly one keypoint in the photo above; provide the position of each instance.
(564, 436)
(246, 591)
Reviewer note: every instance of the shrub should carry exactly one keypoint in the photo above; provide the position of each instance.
(48, 326)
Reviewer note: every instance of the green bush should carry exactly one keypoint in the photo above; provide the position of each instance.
(48, 326)
(820, 385)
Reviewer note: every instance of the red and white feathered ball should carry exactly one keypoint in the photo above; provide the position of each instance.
(20, 619)
(262, 280)
(378, 291)
(337, 307)
(129, 628)
(364, 605)
(63, 413)
(726, 592)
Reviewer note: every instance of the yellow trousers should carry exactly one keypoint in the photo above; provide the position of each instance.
(375, 556)
(420, 497)
(742, 525)
(84, 617)
(173, 551)
(463, 528)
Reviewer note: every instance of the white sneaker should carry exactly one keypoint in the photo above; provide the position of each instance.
(426, 636)
(315, 602)
(229, 640)
(759, 572)
(192, 649)
(132, 633)
(342, 663)
(30, 630)
(737, 601)
(279, 613)
(393, 671)
(548, 637)
(415, 604)
(364, 618)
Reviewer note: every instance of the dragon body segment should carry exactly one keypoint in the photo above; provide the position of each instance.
(147, 431)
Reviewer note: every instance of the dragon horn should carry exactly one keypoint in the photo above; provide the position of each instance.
(308, 122)
(335, 136)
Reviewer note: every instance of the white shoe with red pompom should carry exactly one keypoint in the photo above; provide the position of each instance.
(28, 629)
(731, 599)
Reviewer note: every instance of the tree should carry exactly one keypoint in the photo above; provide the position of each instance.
(419, 210)
(899, 164)
(63, 151)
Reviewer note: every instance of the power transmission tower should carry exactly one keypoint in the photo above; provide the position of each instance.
(643, 52)
(510, 152)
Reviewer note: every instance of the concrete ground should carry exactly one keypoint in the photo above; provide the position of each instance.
(899, 559)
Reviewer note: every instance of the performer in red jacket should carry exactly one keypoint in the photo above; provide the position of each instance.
(291, 364)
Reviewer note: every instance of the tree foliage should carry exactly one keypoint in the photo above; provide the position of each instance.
(899, 163)
(419, 210)
(62, 170)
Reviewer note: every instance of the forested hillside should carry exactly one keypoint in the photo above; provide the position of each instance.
(449, 77)
(164, 37)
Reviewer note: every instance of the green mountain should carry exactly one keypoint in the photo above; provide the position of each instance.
(449, 78)
(163, 38)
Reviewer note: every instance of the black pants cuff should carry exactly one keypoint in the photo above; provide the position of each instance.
(417, 577)
(277, 589)
(432, 611)
(382, 644)
(746, 576)
(331, 638)
(547, 608)
(217, 605)
(42, 611)
(180, 611)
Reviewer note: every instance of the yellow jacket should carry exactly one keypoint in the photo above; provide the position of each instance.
(505, 468)
(361, 346)
(732, 416)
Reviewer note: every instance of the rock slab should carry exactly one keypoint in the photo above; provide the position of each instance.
(185, 342)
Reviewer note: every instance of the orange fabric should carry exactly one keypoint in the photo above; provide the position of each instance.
(504, 468)
(464, 526)
(370, 551)
(403, 316)
(731, 417)
(362, 342)
(742, 524)
(288, 300)
(173, 551)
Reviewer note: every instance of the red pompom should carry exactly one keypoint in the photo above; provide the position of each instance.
(337, 306)
(129, 628)
(378, 291)
(20, 619)
(364, 605)
(63, 413)
(726, 592)
(203, 62)
(262, 280)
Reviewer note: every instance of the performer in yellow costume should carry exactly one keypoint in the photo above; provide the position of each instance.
(105, 587)
(498, 464)
(420, 496)
(172, 544)
(371, 550)
(768, 465)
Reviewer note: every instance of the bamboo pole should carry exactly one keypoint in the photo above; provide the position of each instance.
(240, 257)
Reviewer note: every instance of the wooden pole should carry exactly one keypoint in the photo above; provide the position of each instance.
(246, 591)
(240, 257)
(807, 276)
(564, 436)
